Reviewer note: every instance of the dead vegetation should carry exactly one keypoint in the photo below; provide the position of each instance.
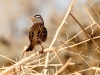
(37, 64)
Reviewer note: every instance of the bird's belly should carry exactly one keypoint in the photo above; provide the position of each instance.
(36, 42)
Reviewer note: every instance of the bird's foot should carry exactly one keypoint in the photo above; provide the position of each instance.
(41, 52)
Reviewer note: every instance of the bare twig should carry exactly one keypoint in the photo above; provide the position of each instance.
(38, 62)
(90, 16)
(8, 58)
(97, 37)
(96, 72)
(86, 32)
(77, 73)
(76, 35)
(91, 68)
(62, 69)
(22, 61)
(57, 32)
(54, 50)
(94, 9)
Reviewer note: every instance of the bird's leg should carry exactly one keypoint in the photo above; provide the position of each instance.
(41, 52)
(35, 51)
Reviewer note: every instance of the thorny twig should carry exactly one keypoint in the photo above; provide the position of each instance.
(86, 32)
(52, 49)
(57, 32)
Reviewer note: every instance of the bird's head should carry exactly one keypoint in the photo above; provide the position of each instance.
(37, 19)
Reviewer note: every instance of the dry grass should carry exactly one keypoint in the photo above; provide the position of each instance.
(28, 65)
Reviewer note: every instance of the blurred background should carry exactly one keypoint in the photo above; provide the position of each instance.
(15, 24)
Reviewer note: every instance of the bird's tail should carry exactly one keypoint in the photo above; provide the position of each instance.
(30, 47)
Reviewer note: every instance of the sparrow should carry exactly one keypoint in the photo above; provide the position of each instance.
(37, 33)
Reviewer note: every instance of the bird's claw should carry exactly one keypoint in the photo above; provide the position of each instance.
(41, 52)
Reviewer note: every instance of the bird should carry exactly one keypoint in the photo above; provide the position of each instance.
(37, 33)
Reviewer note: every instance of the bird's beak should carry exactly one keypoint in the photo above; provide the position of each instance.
(32, 19)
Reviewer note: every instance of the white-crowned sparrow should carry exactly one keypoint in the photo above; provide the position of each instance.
(37, 33)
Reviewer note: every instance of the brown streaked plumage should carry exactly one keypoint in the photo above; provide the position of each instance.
(37, 33)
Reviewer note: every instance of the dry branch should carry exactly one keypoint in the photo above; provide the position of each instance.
(14, 69)
(90, 16)
(86, 32)
(97, 37)
(77, 73)
(57, 32)
(76, 35)
(62, 69)
(22, 61)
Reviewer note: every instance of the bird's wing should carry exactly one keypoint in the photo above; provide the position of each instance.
(42, 33)
(31, 34)
(39, 32)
